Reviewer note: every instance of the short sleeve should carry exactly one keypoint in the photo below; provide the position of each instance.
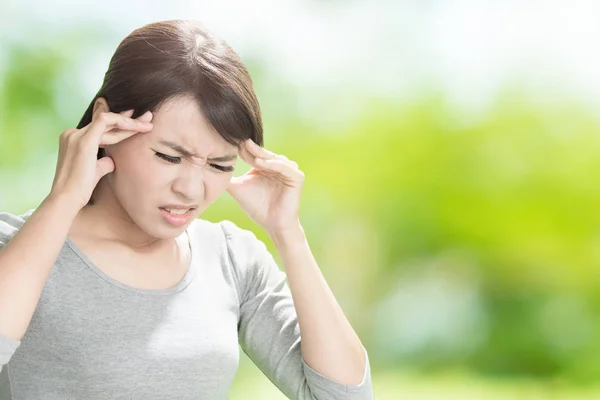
(10, 225)
(268, 328)
(8, 347)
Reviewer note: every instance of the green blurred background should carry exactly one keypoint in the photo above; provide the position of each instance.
(449, 147)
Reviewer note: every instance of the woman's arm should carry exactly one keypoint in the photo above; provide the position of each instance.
(329, 361)
(329, 344)
(269, 331)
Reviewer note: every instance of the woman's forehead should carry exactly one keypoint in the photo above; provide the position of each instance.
(181, 112)
(181, 123)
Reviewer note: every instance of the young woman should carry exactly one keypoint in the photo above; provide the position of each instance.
(113, 288)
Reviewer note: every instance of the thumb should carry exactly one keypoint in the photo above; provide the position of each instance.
(104, 166)
(232, 186)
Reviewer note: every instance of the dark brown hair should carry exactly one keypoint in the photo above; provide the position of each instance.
(174, 58)
(165, 59)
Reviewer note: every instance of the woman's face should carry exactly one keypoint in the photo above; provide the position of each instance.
(152, 173)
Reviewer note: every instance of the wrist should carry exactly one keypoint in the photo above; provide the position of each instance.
(288, 236)
(62, 204)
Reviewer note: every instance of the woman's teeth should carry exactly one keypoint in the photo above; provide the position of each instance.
(177, 212)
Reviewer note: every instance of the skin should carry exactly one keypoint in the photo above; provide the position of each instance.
(126, 212)
(127, 201)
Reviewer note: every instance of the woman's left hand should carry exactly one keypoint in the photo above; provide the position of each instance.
(270, 192)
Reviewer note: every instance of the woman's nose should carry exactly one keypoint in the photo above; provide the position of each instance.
(190, 184)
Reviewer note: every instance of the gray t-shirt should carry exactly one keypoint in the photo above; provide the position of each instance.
(92, 337)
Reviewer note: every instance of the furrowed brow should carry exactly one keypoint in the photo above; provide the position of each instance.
(228, 157)
(177, 148)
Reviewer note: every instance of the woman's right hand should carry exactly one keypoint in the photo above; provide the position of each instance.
(78, 170)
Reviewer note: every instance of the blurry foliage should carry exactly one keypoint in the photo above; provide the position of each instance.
(511, 193)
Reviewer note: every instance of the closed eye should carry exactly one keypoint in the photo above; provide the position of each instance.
(177, 160)
(222, 168)
(173, 160)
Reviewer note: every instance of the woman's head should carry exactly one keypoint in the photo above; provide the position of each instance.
(202, 99)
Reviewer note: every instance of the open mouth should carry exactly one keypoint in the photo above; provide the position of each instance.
(176, 211)
(177, 217)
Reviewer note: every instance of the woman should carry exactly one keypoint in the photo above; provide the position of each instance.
(113, 288)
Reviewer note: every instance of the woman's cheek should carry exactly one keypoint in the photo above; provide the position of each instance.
(217, 185)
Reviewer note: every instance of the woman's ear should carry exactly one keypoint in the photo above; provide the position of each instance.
(100, 105)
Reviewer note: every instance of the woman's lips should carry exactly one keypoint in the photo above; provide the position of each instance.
(177, 219)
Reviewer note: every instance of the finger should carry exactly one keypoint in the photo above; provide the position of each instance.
(117, 135)
(146, 117)
(247, 157)
(127, 113)
(258, 151)
(283, 168)
(263, 169)
(108, 120)
(114, 137)
(104, 166)
(287, 161)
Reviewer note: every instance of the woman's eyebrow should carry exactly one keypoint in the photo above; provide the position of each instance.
(186, 153)
(225, 158)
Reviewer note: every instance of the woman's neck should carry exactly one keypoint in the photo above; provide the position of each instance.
(107, 221)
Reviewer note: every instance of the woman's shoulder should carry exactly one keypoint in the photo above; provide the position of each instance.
(242, 244)
(229, 230)
(15, 218)
(241, 240)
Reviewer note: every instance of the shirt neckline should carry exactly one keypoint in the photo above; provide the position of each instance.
(182, 284)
